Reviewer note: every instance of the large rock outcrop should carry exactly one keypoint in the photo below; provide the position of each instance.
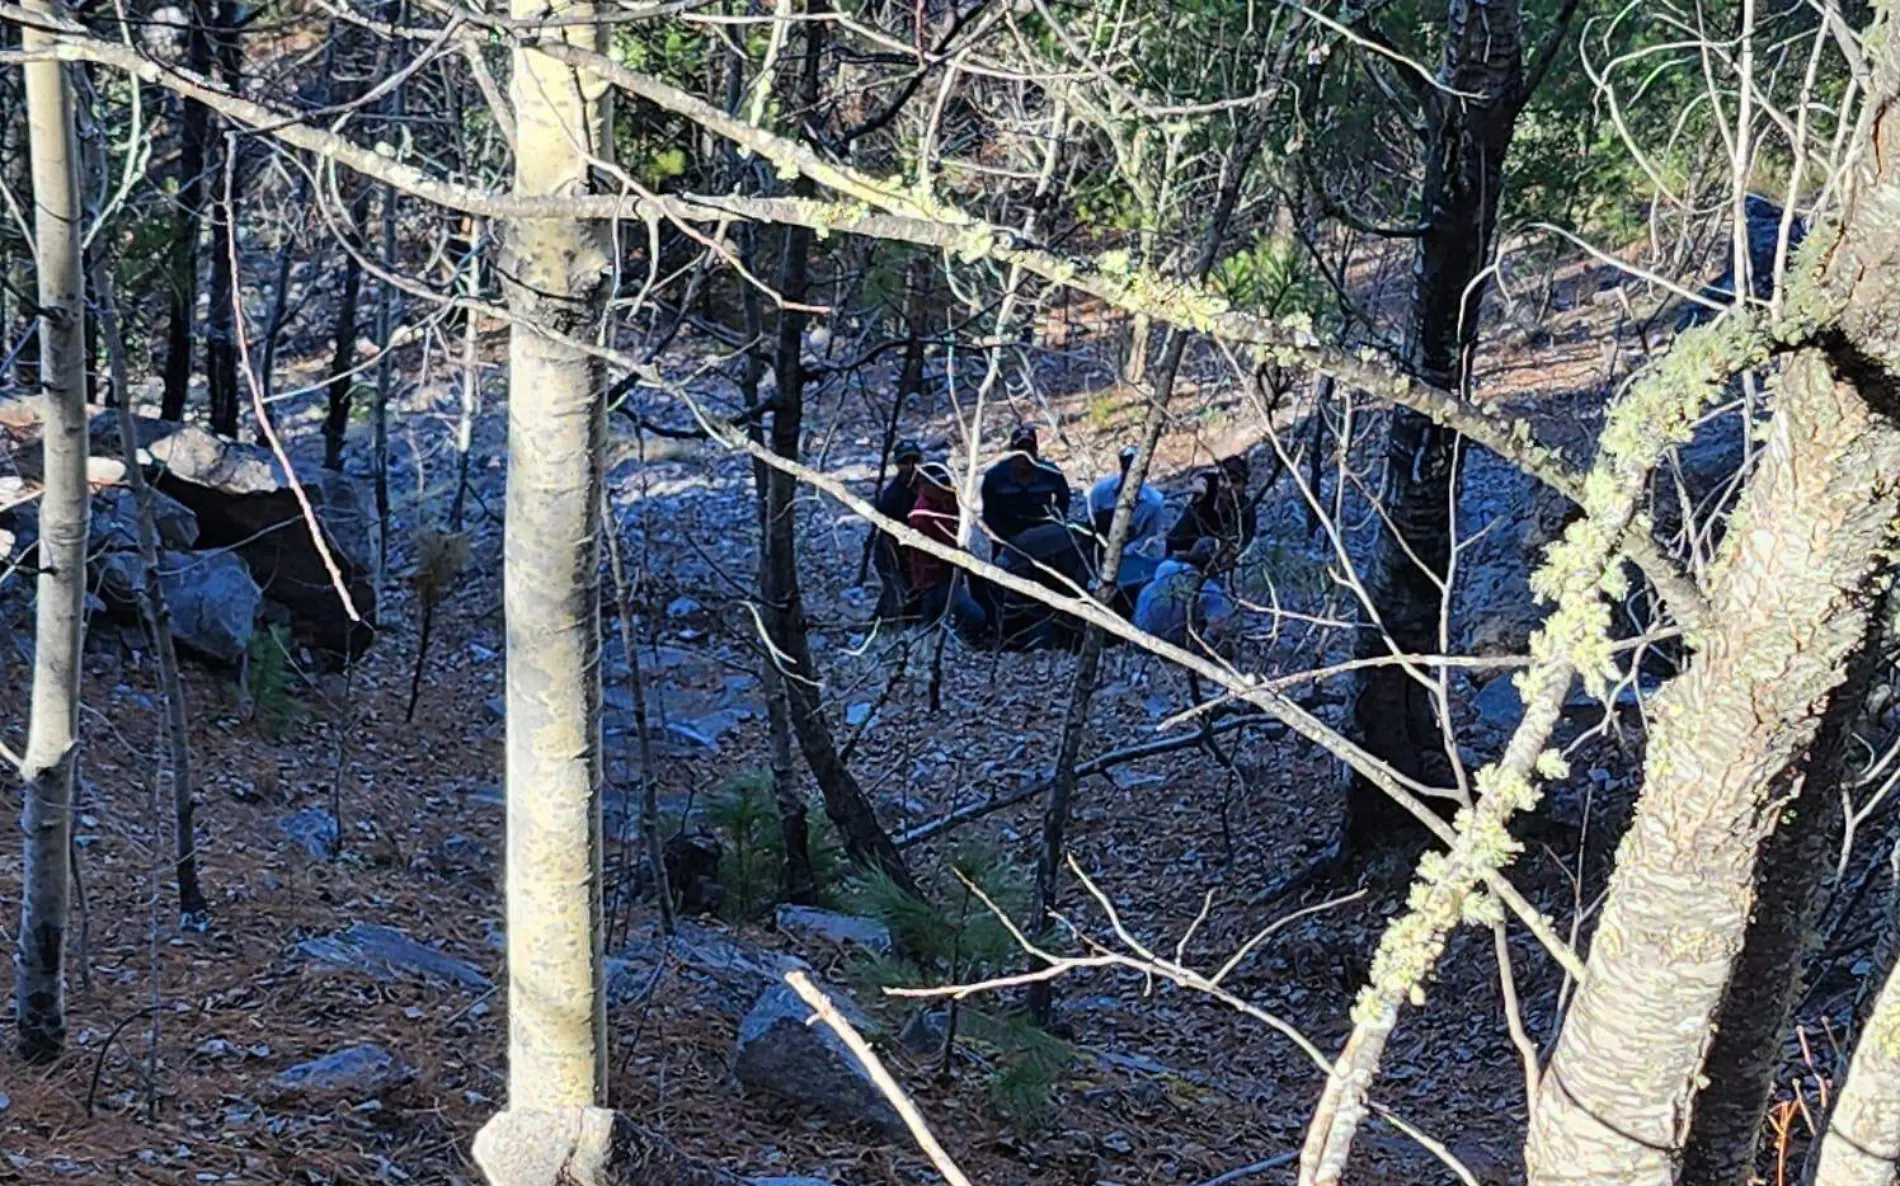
(245, 501)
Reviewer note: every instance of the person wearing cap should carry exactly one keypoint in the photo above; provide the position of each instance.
(1217, 509)
(1022, 491)
(1144, 521)
(896, 599)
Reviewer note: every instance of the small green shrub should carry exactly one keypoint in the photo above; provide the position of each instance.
(269, 675)
(744, 815)
(959, 942)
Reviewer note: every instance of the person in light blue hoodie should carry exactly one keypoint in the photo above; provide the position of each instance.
(1182, 601)
(1145, 545)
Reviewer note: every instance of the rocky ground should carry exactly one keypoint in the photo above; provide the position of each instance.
(342, 1022)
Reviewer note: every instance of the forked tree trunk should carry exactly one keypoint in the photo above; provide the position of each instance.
(1394, 715)
(1791, 600)
(49, 766)
(1791, 603)
(194, 133)
(554, 273)
(865, 839)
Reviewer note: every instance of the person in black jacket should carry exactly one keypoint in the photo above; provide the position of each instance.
(1217, 510)
(896, 600)
(1022, 491)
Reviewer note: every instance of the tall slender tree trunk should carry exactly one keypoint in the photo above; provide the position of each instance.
(194, 913)
(1792, 605)
(1463, 176)
(386, 317)
(222, 394)
(846, 804)
(471, 381)
(336, 420)
(1055, 817)
(49, 768)
(798, 882)
(554, 272)
(194, 133)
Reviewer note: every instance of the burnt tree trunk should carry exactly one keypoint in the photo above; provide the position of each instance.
(221, 355)
(865, 839)
(194, 134)
(336, 421)
(1467, 139)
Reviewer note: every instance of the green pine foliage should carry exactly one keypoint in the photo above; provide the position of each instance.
(269, 676)
(955, 939)
(744, 815)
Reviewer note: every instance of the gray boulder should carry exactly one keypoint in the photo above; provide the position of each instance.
(212, 598)
(808, 923)
(115, 521)
(385, 953)
(357, 1073)
(313, 828)
(779, 1054)
(723, 974)
(243, 500)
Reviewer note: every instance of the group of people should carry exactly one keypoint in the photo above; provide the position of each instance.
(1168, 580)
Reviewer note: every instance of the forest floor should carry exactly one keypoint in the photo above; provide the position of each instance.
(1165, 1087)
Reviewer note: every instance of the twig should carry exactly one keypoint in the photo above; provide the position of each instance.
(1248, 1171)
(874, 1067)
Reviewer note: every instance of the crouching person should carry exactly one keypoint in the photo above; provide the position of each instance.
(1183, 602)
(942, 588)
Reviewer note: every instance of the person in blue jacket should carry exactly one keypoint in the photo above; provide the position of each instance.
(1183, 602)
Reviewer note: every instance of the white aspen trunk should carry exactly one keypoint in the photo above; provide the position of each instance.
(49, 765)
(556, 424)
(1862, 1144)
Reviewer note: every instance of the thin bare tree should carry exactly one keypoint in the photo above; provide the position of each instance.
(50, 765)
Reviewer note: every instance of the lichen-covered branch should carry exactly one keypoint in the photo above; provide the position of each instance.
(1660, 410)
(890, 210)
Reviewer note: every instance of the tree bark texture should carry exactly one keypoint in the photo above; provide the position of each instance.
(1791, 603)
(585, 1147)
(50, 763)
(1862, 1144)
(865, 839)
(554, 272)
(1791, 891)
(1395, 715)
(194, 134)
(222, 395)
